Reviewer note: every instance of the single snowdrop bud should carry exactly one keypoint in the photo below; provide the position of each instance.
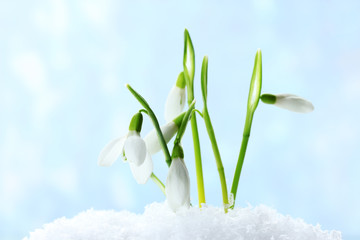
(175, 101)
(288, 101)
(178, 182)
(168, 130)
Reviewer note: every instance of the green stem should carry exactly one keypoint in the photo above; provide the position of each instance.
(197, 111)
(155, 122)
(158, 182)
(198, 164)
(216, 151)
(244, 143)
(184, 123)
(189, 73)
(253, 100)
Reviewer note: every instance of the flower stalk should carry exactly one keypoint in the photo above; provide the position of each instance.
(158, 182)
(211, 133)
(189, 73)
(253, 100)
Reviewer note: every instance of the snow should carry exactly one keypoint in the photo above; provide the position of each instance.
(159, 222)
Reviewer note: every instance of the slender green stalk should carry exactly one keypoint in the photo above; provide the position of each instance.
(253, 100)
(244, 143)
(189, 73)
(158, 182)
(184, 123)
(217, 156)
(198, 164)
(155, 122)
(211, 134)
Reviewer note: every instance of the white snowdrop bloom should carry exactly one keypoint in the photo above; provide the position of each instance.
(289, 101)
(178, 184)
(168, 130)
(175, 101)
(133, 148)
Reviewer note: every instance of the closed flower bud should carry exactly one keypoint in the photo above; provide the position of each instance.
(175, 101)
(288, 101)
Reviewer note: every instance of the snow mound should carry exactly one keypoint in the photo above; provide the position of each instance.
(159, 222)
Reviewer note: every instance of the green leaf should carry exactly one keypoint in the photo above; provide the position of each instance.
(189, 64)
(204, 71)
(255, 85)
(184, 122)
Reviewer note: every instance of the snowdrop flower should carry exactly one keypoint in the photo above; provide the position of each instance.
(138, 151)
(178, 182)
(133, 148)
(175, 101)
(288, 101)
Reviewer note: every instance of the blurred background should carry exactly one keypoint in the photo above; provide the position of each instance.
(63, 66)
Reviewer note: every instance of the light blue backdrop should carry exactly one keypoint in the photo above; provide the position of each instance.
(63, 66)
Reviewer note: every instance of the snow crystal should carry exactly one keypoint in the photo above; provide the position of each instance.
(159, 222)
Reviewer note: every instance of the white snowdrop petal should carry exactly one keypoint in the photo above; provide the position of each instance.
(175, 103)
(143, 172)
(111, 152)
(178, 185)
(135, 149)
(152, 141)
(293, 103)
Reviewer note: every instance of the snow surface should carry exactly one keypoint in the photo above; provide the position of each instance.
(159, 222)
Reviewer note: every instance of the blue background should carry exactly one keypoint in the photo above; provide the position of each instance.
(63, 66)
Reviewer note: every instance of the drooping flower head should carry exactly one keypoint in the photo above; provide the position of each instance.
(132, 148)
(178, 181)
(288, 101)
(137, 151)
(175, 101)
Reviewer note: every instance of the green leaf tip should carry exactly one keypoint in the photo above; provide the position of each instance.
(189, 64)
(256, 81)
(204, 80)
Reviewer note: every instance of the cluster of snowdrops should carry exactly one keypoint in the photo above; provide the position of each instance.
(137, 151)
